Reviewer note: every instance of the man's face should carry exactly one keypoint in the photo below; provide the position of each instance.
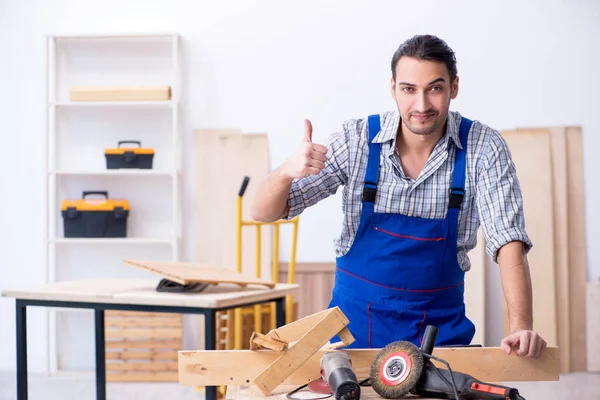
(422, 91)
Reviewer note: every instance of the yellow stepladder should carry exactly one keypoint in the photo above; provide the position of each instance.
(241, 223)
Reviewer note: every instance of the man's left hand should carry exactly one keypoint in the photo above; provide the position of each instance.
(525, 343)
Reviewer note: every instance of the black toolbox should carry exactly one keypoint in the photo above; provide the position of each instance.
(95, 217)
(129, 157)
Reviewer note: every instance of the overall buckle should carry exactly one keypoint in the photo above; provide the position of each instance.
(456, 197)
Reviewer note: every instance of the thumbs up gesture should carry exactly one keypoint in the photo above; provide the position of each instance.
(309, 159)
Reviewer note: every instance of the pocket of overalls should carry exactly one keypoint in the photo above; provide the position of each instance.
(384, 326)
(420, 255)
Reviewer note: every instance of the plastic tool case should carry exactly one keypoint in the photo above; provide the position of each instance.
(129, 157)
(95, 217)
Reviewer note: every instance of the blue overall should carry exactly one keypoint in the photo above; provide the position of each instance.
(401, 272)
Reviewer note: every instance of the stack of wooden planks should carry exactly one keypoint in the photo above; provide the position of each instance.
(142, 346)
(549, 165)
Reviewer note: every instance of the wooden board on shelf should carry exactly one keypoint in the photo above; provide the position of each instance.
(142, 346)
(186, 272)
(119, 93)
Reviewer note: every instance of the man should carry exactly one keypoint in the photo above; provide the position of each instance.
(417, 183)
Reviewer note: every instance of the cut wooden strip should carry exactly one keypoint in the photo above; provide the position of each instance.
(239, 367)
(296, 329)
(272, 376)
(186, 273)
(114, 314)
(577, 248)
(530, 151)
(475, 289)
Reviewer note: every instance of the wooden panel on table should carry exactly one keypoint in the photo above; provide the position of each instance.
(577, 248)
(186, 273)
(531, 155)
(475, 289)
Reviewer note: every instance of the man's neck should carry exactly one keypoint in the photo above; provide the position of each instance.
(409, 143)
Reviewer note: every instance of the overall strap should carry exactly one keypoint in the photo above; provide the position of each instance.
(372, 173)
(457, 189)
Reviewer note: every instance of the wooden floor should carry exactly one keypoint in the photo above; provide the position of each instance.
(579, 386)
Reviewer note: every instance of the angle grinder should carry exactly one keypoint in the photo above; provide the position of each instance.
(401, 368)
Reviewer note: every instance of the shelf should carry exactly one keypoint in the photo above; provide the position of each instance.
(149, 103)
(113, 172)
(123, 35)
(127, 240)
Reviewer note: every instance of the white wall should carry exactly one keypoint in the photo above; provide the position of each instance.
(262, 66)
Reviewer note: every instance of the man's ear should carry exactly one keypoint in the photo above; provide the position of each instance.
(454, 88)
(393, 87)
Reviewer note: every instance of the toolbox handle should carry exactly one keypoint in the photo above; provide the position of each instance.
(100, 192)
(130, 141)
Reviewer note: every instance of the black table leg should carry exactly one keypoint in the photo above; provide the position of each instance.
(21, 350)
(100, 356)
(209, 343)
(280, 312)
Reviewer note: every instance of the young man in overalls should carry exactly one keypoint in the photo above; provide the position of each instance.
(417, 183)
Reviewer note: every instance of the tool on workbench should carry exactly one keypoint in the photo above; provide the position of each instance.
(337, 379)
(401, 368)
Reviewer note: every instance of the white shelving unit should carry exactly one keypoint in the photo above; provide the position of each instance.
(76, 136)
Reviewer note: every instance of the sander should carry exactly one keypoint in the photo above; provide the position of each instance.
(401, 368)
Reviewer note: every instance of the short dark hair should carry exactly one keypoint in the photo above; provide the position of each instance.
(427, 47)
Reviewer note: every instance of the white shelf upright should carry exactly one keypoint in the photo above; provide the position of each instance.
(77, 134)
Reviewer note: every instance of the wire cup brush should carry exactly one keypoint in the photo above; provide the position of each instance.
(401, 368)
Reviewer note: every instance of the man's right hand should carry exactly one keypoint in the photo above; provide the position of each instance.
(309, 159)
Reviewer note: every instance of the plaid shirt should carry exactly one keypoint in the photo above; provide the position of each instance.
(492, 192)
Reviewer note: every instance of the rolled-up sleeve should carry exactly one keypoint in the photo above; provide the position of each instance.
(499, 198)
(308, 191)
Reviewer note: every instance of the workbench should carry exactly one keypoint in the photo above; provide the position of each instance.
(135, 295)
(252, 392)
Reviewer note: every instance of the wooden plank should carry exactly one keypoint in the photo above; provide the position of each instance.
(119, 93)
(271, 342)
(133, 322)
(142, 366)
(142, 344)
(215, 197)
(475, 284)
(289, 361)
(577, 248)
(239, 367)
(296, 329)
(187, 272)
(561, 244)
(163, 376)
(530, 151)
(143, 333)
(252, 392)
(593, 326)
(141, 355)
